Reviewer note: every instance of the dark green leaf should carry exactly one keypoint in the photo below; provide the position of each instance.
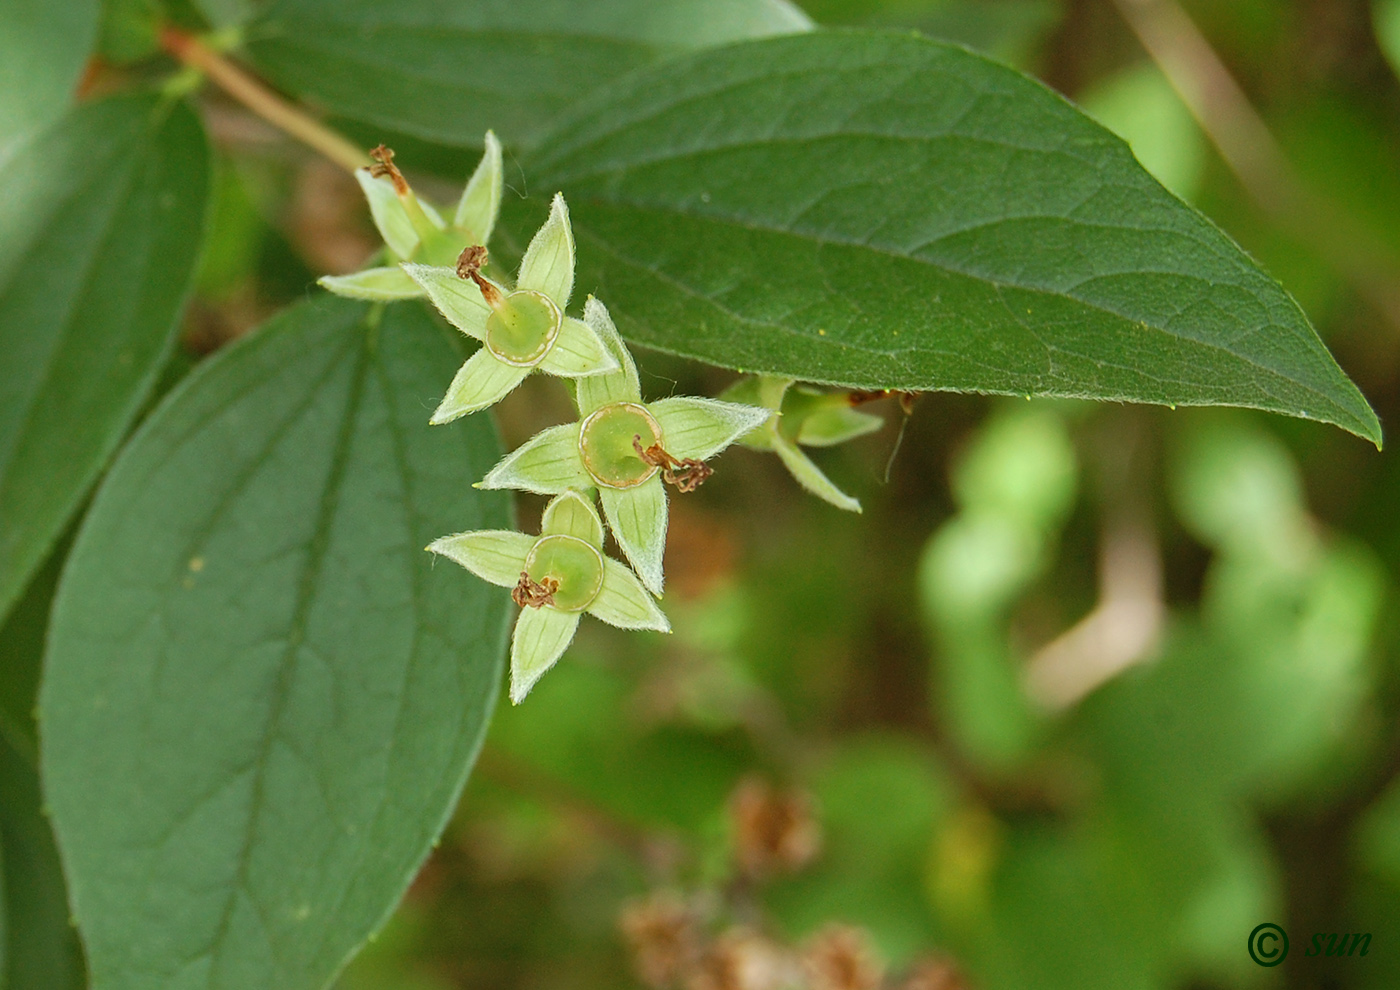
(41, 949)
(43, 45)
(103, 216)
(260, 698)
(447, 71)
(130, 29)
(880, 210)
(38, 945)
(22, 650)
(226, 13)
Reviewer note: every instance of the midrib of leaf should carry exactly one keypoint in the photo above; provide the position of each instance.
(693, 293)
(191, 548)
(416, 573)
(311, 571)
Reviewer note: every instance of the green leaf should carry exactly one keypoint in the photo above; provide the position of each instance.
(43, 46)
(1387, 20)
(260, 698)
(449, 71)
(41, 949)
(103, 217)
(227, 13)
(879, 210)
(38, 946)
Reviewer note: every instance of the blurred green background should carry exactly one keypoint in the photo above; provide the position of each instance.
(1085, 695)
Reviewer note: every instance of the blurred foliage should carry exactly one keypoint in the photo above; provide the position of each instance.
(1245, 769)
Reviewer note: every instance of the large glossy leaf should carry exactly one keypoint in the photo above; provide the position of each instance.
(43, 46)
(449, 69)
(880, 210)
(260, 700)
(102, 218)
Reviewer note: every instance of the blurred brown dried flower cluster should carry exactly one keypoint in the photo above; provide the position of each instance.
(717, 939)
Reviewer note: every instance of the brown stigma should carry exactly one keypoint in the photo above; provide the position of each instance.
(384, 166)
(686, 473)
(534, 594)
(469, 265)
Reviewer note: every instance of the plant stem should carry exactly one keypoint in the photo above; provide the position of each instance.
(261, 100)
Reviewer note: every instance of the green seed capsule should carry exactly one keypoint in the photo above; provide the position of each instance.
(521, 331)
(575, 564)
(606, 444)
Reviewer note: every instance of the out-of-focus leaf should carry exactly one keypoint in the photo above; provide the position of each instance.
(1015, 486)
(1238, 490)
(129, 30)
(1263, 696)
(583, 732)
(1387, 19)
(1378, 835)
(871, 867)
(447, 71)
(878, 210)
(236, 232)
(1021, 466)
(1345, 149)
(43, 46)
(1111, 903)
(1140, 106)
(103, 216)
(260, 699)
(228, 13)
(1005, 29)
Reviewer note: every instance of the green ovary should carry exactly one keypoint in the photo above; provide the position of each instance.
(521, 331)
(605, 444)
(577, 566)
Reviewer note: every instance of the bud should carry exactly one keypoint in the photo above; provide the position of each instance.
(804, 417)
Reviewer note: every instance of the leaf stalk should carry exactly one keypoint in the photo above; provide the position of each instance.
(260, 99)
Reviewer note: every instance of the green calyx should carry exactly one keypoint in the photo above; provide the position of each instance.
(608, 442)
(523, 328)
(576, 565)
(435, 247)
